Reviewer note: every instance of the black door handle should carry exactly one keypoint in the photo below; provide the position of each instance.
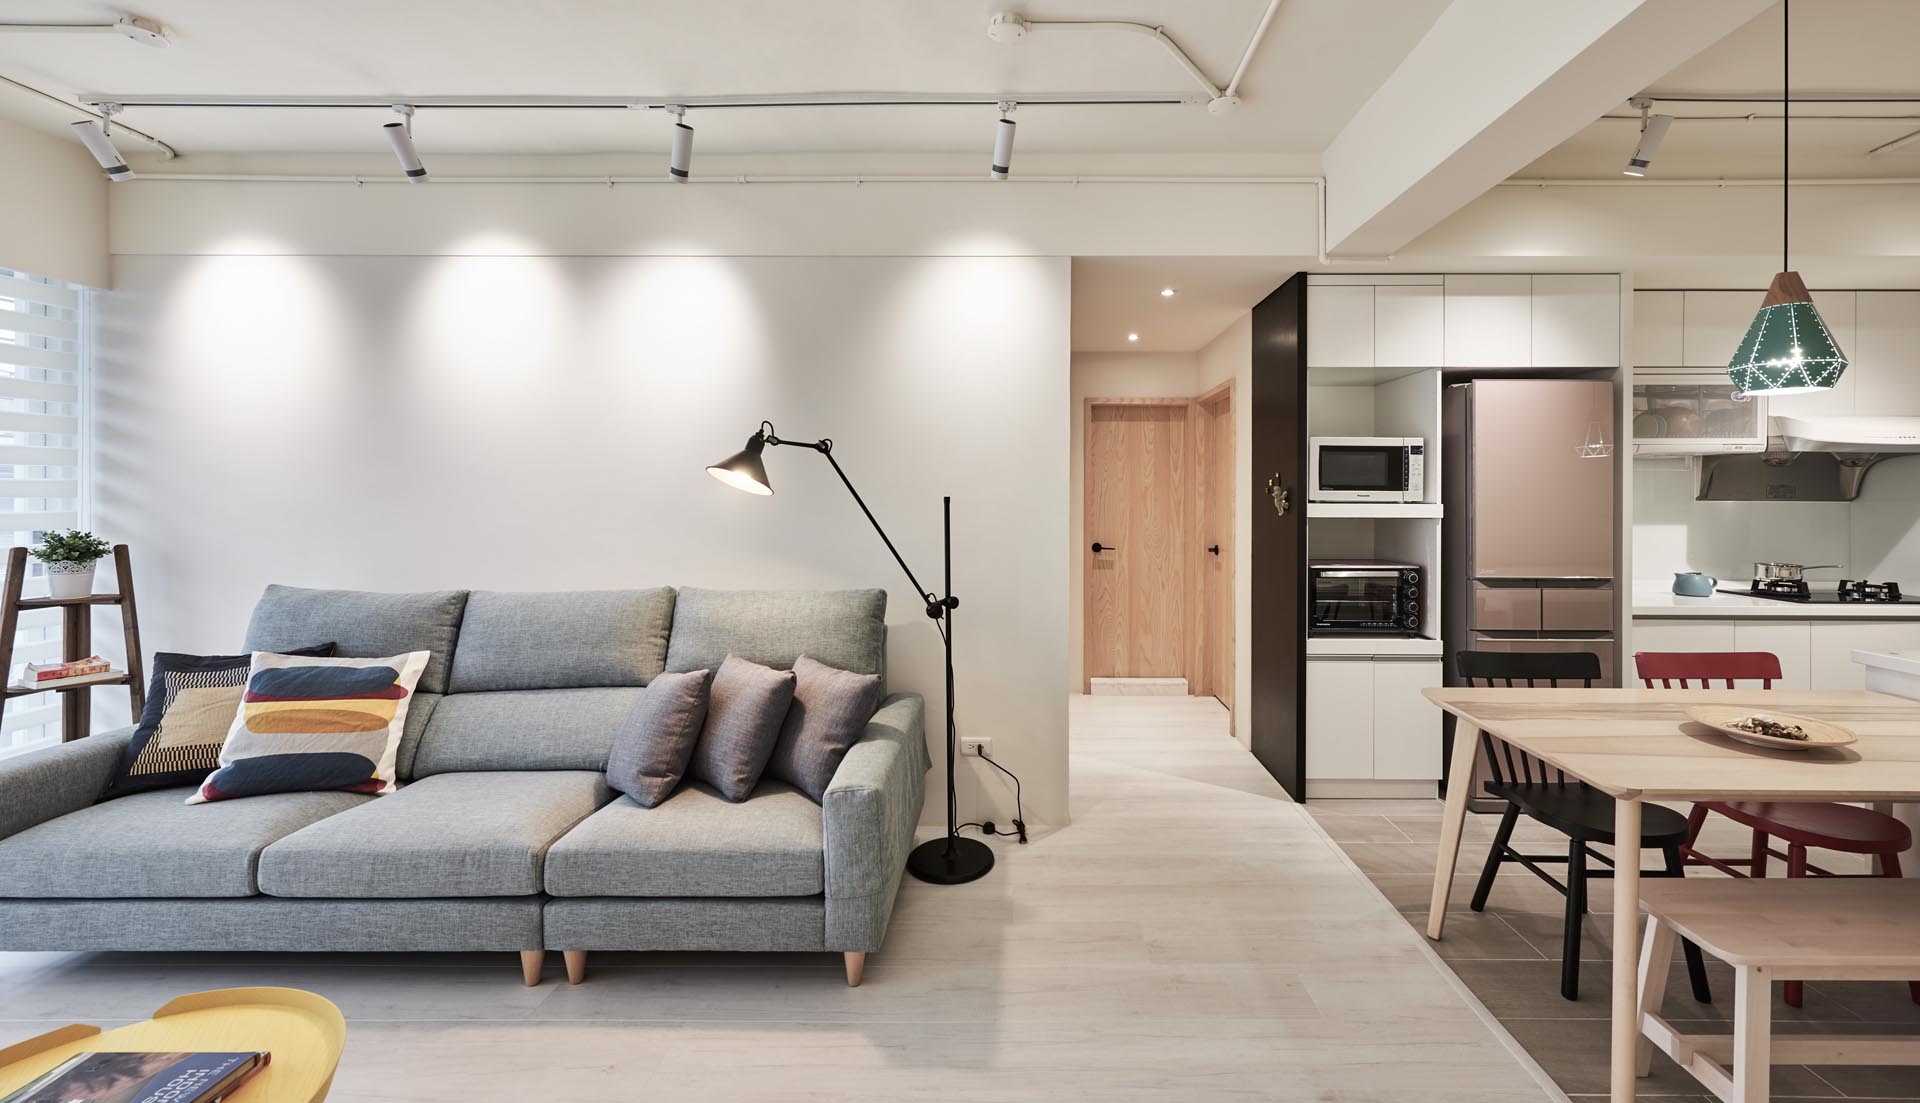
(1215, 549)
(1098, 547)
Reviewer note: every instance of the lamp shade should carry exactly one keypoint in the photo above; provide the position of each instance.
(1787, 349)
(744, 470)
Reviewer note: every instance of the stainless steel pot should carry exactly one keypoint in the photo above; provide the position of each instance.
(1785, 572)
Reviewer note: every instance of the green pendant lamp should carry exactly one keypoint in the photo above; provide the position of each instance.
(1788, 348)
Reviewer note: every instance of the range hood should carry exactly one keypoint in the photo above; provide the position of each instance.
(1865, 435)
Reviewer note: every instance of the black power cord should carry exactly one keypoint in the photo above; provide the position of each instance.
(1019, 809)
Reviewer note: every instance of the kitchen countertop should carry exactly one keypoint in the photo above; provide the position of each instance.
(1654, 599)
(1899, 662)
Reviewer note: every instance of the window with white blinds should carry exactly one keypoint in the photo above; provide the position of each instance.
(42, 429)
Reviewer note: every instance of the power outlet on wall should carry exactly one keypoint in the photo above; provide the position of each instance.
(973, 747)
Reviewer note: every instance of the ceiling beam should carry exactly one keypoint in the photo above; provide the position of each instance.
(1493, 85)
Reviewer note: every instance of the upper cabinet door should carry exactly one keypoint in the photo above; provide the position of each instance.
(1489, 321)
(1409, 325)
(1339, 326)
(1881, 356)
(1716, 322)
(1657, 317)
(1837, 310)
(1576, 321)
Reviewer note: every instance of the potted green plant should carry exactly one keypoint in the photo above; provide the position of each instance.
(70, 557)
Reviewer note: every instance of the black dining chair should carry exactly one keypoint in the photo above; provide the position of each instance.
(1569, 806)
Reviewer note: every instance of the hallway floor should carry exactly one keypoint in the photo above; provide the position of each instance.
(1193, 936)
(1510, 956)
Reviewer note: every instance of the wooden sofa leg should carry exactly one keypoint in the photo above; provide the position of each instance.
(576, 965)
(856, 968)
(531, 962)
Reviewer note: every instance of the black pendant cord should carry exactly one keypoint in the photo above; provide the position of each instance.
(1786, 124)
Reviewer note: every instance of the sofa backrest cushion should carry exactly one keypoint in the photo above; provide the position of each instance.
(562, 640)
(523, 729)
(846, 629)
(362, 625)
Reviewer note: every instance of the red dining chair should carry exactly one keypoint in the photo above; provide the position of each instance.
(1841, 827)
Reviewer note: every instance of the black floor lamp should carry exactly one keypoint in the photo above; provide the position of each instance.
(947, 861)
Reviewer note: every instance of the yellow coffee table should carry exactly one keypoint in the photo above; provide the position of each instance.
(302, 1031)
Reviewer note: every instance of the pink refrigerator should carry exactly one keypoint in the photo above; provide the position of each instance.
(1530, 547)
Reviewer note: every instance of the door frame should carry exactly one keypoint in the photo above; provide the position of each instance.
(1198, 618)
(1085, 551)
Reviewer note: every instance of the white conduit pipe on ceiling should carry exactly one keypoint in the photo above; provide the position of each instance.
(1220, 99)
(1798, 182)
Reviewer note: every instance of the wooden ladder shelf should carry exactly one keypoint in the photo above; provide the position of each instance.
(76, 641)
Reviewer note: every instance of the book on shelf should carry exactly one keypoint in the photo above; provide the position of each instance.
(143, 1078)
(57, 683)
(53, 672)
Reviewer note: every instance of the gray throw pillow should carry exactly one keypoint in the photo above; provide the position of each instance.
(830, 712)
(745, 708)
(651, 751)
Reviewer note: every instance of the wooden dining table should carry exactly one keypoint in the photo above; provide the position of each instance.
(1637, 745)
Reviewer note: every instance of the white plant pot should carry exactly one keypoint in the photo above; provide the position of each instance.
(66, 581)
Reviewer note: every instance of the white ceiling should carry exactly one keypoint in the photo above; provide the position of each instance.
(1319, 62)
(1839, 46)
(1115, 296)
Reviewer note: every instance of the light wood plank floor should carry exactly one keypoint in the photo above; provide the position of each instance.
(1193, 936)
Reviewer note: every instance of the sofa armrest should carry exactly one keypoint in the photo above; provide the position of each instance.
(871, 809)
(53, 781)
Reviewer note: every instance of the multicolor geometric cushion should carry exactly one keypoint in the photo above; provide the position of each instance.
(190, 706)
(308, 724)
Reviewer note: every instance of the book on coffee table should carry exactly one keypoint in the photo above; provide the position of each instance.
(143, 1078)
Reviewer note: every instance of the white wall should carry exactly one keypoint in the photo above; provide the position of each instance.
(1107, 375)
(1230, 356)
(542, 422)
(55, 202)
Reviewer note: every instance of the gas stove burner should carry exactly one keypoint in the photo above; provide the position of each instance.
(1868, 591)
(1783, 587)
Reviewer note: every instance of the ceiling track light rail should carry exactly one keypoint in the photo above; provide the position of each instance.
(644, 103)
(131, 27)
(100, 116)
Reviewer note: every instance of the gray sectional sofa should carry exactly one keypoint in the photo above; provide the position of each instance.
(504, 834)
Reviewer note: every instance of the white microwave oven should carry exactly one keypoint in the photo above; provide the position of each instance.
(1366, 469)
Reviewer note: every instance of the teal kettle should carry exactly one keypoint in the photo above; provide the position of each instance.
(1694, 584)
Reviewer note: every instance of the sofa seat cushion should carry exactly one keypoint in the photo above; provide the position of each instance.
(474, 834)
(695, 844)
(155, 844)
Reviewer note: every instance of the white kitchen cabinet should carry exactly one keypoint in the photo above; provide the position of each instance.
(1835, 641)
(1339, 326)
(1576, 321)
(1340, 718)
(1406, 726)
(1657, 320)
(1489, 321)
(1882, 353)
(1716, 321)
(1676, 634)
(1789, 640)
(1837, 309)
(1409, 325)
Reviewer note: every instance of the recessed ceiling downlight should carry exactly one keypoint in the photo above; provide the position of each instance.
(1166, 292)
(1133, 336)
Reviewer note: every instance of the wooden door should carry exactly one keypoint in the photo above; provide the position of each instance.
(1213, 545)
(1278, 570)
(1138, 499)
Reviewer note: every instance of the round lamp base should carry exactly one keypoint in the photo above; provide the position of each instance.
(950, 860)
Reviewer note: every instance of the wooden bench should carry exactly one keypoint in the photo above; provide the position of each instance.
(1825, 929)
